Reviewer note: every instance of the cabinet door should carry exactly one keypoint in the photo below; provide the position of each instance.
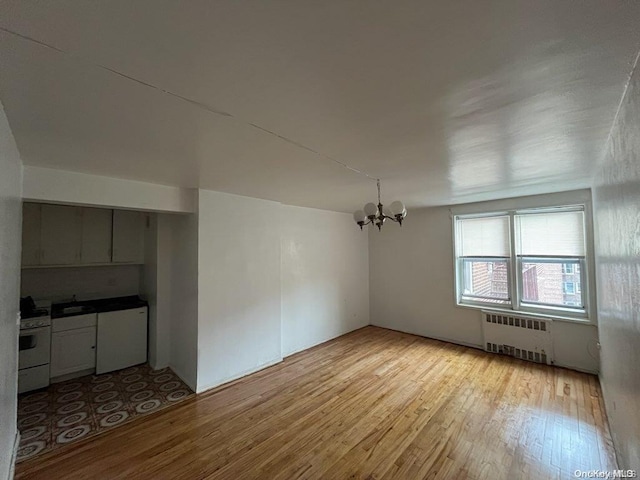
(96, 235)
(73, 350)
(30, 234)
(122, 339)
(128, 236)
(60, 235)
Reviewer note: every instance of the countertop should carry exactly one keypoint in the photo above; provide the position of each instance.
(98, 306)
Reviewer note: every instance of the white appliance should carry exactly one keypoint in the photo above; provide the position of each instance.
(122, 339)
(34, 353)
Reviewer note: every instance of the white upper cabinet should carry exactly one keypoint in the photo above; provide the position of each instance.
(96, 236)
(30, 234)
(128, 236)
(60, 235)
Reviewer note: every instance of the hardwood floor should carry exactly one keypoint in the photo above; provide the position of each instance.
(372, 404)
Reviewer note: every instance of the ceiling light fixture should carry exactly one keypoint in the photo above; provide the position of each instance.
(375, 214)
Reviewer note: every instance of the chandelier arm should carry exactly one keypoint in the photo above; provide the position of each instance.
(379, 217)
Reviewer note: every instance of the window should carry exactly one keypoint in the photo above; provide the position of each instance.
(529, 260)
(484, 259)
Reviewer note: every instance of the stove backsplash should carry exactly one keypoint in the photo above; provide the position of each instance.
(86, 283)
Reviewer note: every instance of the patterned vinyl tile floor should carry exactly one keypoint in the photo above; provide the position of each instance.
(76, 409)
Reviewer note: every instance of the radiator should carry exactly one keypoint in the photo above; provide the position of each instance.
(518, 336)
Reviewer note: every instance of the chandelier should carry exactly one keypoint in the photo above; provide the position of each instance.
(375, 214)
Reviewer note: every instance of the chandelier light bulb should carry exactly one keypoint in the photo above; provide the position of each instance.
(378, 214)
(397, 208)
(370, 209)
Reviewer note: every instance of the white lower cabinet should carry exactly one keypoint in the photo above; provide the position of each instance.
(106, 341)
(74, 349)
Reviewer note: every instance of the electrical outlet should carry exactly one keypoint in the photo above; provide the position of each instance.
(111, 282)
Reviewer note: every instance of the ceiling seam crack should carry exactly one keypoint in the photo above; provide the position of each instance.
(188, 100)
(622, 97)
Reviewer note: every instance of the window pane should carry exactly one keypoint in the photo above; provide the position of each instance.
(485, 281)
(484, 237)
(554, 282)
(557, 234)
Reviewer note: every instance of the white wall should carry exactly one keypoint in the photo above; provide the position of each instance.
(411, 280)
(617, 217)
(149, 285)
(59, 186)
(239, 287)
(164, 273)
(237, 318)
(325, 277)
(59, 284)
(10, 242)
(182, 255)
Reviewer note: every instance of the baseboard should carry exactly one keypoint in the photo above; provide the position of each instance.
(577, 369)
(182, 377)
(320, 342)
(14, 456)
(481, 347)
(240, 375)
(614, 438)
(442, 339)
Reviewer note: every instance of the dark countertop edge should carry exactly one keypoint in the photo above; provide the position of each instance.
(101, 305)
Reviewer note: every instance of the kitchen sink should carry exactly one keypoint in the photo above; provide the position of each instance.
(76, 309)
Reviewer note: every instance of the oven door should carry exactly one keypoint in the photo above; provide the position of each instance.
(35, 347)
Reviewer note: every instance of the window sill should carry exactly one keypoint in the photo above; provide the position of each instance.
(527, 313)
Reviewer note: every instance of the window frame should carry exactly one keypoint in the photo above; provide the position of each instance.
(566, 291)
(581, 314)
(470, 298)
(579, 309)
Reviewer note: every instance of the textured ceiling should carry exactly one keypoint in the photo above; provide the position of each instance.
(446, 102)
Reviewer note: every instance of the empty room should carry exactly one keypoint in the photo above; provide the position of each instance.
(319, 240)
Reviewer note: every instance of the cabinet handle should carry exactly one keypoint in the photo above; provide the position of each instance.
(93, 347)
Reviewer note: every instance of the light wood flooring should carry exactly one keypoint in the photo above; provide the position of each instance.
(373, 404)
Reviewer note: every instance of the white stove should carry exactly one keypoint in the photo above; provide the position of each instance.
(34, 351)
(44, 321)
